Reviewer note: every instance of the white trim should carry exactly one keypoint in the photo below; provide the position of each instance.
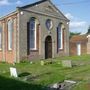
(10, 39)
(40, 13)
(35, 39)
(61, 41)
(61, 37)
(35, 46)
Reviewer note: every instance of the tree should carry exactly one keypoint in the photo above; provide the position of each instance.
(88, 32)
(73, 33)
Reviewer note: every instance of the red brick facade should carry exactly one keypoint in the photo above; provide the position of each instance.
(82, 39)
(34, 46)
(5, 54)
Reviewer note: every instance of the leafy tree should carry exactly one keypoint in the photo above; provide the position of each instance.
(73, 33)
(88, 32)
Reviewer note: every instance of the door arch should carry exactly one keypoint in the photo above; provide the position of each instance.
(48, 47)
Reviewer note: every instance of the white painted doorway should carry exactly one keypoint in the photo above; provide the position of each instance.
(78, 49)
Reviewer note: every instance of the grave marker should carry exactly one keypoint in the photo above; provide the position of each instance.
(42, 63)
(13, 72)
(67, 63)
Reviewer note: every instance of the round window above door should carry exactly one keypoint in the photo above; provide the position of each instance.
(49, 24)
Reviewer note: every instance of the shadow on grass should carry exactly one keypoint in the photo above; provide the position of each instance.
(12, 84)
(32, 78)
(23, 74)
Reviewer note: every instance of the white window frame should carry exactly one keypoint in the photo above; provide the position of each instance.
(61, 40)
(10, 39)
(61, 37)
(35, 36)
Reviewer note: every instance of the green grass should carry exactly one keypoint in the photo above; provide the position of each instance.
(41, 76)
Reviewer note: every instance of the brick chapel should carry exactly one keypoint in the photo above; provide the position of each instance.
(36, 31)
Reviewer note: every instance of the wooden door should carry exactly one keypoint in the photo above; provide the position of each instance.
(48, 47)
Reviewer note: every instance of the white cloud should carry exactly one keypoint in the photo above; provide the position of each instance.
(7, 2)
(4, 2)
(18, 2)
(69, 16)
(76, 24)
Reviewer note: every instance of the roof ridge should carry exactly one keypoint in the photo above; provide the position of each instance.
(32, 4)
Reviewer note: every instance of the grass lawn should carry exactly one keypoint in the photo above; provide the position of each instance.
(38, 77)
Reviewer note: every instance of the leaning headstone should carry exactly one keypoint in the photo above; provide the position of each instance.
(13, 72)
(67, 63)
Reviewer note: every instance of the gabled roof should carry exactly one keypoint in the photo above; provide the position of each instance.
(33, 4)
(79, 38)
(12, 13)
(41, 1)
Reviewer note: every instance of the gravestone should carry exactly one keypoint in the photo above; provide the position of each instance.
(65, 85)
(42, 63)
(13, 72)
(67, 63)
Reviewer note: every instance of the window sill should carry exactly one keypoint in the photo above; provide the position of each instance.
(10, 50)
(34, 50)
(0, 50)
(60, 49)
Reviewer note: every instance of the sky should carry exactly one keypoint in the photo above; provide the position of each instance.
(77, 11)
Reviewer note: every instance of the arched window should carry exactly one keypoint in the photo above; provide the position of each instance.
(32, 28)
(60, 36)
(0, 37)
(10, 30)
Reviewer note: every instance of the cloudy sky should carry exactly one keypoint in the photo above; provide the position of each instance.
(77, 11)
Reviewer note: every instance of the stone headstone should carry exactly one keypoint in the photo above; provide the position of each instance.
(13, 72)
(69, 81)
(67, 63)
(66, 85)
(31, 62)
(55, 85)
(42, 63)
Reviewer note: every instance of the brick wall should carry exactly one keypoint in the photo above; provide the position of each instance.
(73, 48)
(5, 54)
(84, 48)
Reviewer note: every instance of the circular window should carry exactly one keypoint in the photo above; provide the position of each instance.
(48, 24)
